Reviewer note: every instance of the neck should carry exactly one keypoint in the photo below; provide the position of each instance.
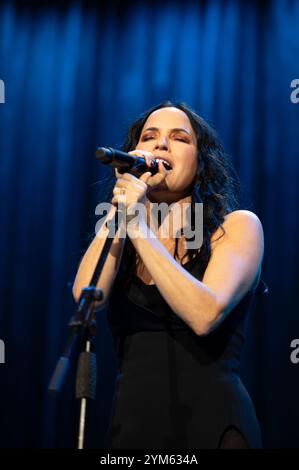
(169, 198)
(184, 202)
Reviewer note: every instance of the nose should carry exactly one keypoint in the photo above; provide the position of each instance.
(162, 143)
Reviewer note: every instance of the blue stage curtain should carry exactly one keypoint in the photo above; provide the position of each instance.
(75, 75)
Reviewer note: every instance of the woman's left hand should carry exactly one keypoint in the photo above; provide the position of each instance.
(130, 190)
(134, 189)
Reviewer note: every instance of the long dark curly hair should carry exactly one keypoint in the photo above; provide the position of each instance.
(216, 184)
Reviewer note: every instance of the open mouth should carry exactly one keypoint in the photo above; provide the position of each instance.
(166, 164)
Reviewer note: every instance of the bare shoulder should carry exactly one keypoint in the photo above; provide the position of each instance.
(242, 215)
(237, 250)
(239, 223)
(243, 238)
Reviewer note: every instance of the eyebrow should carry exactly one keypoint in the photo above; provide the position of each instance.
(176, 129)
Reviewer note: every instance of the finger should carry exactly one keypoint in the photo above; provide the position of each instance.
(149, 159)
(116, 191)
(162, 168)
(134, 190)
(135, 185)
(118, 199)
(140, 153)
(145, 177)
(158, 177)
(123, 175)
(114, 201)
(148, 156)
(155, 180)
(127, 177)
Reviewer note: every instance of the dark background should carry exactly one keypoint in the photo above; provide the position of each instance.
(75, 76)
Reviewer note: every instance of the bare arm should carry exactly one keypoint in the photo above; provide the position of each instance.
(90, 259)
(232, 270)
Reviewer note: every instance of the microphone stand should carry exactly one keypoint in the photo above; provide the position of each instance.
(83, 325)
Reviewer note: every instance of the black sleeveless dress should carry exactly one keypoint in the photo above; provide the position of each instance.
(174, 389)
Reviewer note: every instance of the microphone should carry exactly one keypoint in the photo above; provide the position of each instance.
(124, 162)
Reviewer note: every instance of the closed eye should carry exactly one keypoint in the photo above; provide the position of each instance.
(180, 139)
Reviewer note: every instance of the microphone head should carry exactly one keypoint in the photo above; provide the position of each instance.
(104, 154)
(124, 162)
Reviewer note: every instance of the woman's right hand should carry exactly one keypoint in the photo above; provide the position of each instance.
(134, 188)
